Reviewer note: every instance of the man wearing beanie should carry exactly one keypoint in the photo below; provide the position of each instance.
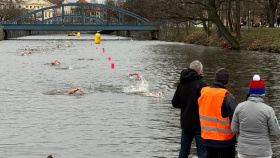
(185, 98)
(255, 121)
(216, 108)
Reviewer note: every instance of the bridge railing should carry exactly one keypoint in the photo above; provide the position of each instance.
(77, 22)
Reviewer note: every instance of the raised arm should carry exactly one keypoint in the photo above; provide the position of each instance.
(75, 90)
(57, 61)
(137, 74)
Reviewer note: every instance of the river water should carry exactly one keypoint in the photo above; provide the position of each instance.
(115, 117)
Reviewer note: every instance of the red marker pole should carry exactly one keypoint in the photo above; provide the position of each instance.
(112, 65)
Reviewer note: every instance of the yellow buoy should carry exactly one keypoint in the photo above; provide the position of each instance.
(97, 38)
(78, 34)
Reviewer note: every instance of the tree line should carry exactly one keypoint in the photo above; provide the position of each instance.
(227, 15)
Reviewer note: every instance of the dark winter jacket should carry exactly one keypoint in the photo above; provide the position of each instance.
(186, 97)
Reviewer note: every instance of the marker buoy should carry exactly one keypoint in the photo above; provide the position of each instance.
(112, 65)
(78, 34)
(97, 38)
(91, 44)
(103, 50)
(96, 47)
(109, 58)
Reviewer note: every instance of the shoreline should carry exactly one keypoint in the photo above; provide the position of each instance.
(255, 39)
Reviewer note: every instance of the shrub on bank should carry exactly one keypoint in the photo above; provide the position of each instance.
(257, 39)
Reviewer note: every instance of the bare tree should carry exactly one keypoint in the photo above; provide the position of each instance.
(272, 6)
(194, 10)
(10, 13)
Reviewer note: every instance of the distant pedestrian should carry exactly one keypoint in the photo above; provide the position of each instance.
(216, 107)
(225, 45)
(255, 121)
(244, 23)
(185, 98)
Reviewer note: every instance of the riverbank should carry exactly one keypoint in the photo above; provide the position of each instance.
(256, 39)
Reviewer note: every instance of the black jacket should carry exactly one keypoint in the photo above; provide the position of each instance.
(186, 97)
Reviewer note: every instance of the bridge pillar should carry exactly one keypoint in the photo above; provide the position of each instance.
(5, 34)
(2, 35)
(118, 33)
(128, 33)
(154, 35)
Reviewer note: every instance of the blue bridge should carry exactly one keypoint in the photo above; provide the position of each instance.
(80, 17)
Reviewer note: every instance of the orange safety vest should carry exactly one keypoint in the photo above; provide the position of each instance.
(213, 125)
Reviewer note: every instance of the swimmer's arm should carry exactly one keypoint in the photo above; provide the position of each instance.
(75, 90)
(137, 74)
(131, 74)
(78, 89)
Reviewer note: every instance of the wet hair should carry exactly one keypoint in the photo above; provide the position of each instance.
(196, 65)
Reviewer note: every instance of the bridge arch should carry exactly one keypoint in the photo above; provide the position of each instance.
(81, 16)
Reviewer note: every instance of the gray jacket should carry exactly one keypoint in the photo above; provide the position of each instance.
(254, 121)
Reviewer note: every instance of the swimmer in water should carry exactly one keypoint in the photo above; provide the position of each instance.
(158, 95)
(30, 52)
(137, 74)
(75, 90)
(53, 62)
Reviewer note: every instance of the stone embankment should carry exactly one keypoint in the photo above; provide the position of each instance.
(1, 33)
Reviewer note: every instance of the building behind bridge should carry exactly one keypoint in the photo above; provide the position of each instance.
(32, 5)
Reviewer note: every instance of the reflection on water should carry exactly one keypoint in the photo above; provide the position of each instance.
(116, 117)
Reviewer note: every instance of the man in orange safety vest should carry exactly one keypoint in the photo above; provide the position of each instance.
(216, 108)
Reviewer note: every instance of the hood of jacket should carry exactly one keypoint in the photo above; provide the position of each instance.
(255, 98)
(189, 75)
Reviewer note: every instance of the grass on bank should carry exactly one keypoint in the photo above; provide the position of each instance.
(257, 38)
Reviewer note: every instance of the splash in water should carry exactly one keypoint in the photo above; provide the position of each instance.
(141, 88)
